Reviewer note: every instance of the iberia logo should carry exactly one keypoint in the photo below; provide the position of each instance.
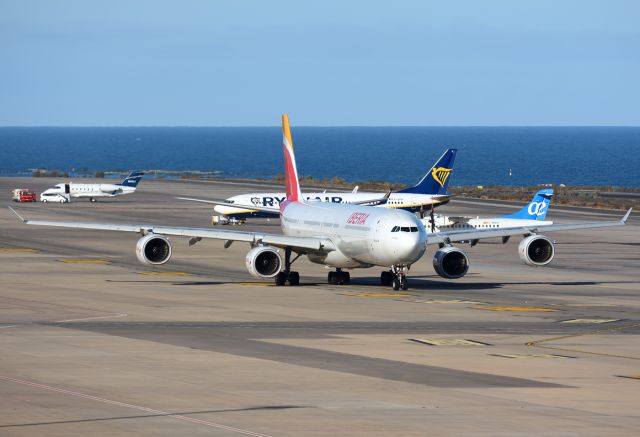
(440, 174)
(357, 218)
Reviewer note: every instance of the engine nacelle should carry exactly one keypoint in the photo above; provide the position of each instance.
(451, 263)
(109, 188)
(263, 262)
(536, 250)
(153, 249)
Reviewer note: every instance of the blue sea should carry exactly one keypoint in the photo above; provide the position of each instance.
(487, 155)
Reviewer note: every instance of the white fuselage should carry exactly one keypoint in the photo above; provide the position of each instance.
(362, 235)
(89, 190)
(395, 200)
(445, 223)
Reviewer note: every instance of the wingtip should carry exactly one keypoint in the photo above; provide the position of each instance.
(17, 215)
(626, 216)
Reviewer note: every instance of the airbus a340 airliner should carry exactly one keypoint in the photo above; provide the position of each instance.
(335, 235)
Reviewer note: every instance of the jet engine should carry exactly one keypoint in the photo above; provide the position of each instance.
(109, 188)
(536, 250)
(153, 249)
(451, 263)
(263, 262)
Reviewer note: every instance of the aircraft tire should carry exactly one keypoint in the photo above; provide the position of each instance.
(294, 278)
(346, 278)
(281, 278)
(396, 283)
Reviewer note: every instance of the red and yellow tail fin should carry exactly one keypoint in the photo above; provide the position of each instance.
(290, 170)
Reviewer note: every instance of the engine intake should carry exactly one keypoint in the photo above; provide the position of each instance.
(536, 250)
(153, 249)
(263, 262)
(451, 262)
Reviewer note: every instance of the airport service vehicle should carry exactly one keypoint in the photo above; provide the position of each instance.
(54, 197)
(23, 195)
(93, 191)
(422, 197)
(337, 235)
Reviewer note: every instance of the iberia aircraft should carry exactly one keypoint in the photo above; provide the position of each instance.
(431, 191)
(338, 235)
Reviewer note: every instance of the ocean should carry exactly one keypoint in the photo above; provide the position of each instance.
(487, 155)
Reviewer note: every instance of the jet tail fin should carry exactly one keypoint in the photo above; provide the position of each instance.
(536, 209)
(132, 180)
(436, 181)
(291, 182)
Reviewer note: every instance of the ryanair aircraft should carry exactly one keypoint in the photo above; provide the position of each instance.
(431, 191)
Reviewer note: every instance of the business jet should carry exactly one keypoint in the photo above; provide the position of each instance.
(338, 235)
(64, 192)
(422, 197)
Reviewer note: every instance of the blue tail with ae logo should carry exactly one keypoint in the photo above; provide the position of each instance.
(536, 209)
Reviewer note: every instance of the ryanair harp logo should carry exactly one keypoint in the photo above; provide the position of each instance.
(440, 174)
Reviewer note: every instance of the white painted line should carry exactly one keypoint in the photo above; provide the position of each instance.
(7, 326)
(135, 407)
(113, 316)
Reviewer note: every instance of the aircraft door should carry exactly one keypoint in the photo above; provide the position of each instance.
(67, 189)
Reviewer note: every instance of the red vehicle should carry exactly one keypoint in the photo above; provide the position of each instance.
(24, 195)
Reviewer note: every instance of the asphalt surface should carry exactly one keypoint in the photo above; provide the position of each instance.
(94, 343)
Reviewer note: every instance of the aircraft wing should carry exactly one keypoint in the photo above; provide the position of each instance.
(235, 205)
(478, 234)
(299, 244)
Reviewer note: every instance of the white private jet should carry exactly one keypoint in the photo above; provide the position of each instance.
(332, 234)
(431, 191)
(63, 192)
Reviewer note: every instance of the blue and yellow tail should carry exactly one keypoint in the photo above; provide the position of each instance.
(536, 209)
(437, 180)
(132, 180)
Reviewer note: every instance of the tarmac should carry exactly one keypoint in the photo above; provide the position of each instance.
(94, 343)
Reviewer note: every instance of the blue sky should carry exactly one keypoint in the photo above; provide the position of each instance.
(243, 62)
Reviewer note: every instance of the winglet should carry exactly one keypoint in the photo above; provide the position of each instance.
(290, 169)
(18, 215)
(626, 216)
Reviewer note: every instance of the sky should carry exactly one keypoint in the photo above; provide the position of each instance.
(326, 63)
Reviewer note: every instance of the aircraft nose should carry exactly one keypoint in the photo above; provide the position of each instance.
(412, 246)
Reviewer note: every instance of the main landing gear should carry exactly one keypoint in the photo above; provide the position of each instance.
(396, 277)
(92, 199)
(287, 276)
(338, 277)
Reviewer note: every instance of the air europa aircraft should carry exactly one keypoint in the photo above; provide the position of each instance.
(422, 197)
(333, 234)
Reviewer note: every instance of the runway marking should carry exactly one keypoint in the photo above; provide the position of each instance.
(629, 376)
(594, 321)
(259, 284)
(531, 356)
(86, 261)
(18, 249)
(8, 326)
(581, 305)
(379, 294)
(451, 301)
(165, 273)
(521, 309)
(112, 316)
(135, 407)
(448, 342)
(537, 343)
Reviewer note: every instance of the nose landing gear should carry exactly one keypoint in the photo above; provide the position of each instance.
(396, 278)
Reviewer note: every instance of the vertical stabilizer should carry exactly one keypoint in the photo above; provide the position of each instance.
(291, 182)
(536, 209)
(436, 181)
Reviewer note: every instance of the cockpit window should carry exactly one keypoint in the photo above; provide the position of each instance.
(405, 229)
(414, 229)
(395, 229)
